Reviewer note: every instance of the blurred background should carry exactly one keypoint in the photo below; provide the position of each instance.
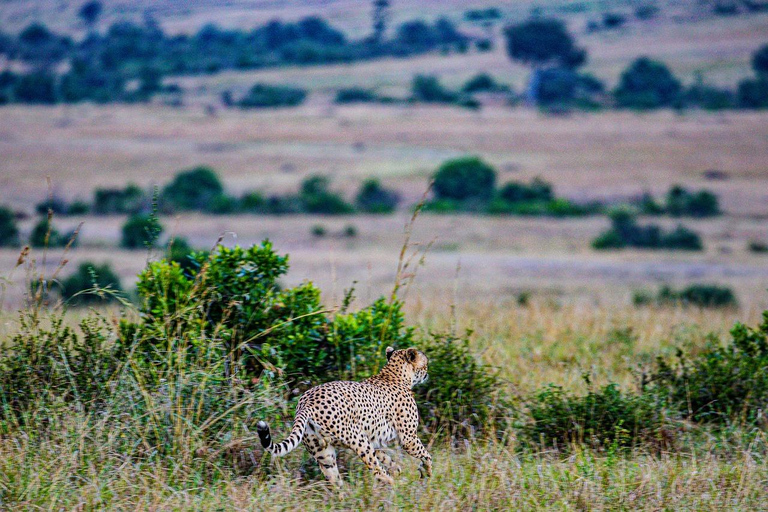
(580, 150)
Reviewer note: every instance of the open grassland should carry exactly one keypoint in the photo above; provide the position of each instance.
(609, 155)
(81, 460)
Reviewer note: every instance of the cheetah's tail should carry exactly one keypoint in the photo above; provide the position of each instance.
(295, 437)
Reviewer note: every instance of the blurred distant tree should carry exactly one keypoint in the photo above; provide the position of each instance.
(541, 43)
(428, 89)
(467, 178)
(90, 12)
(9, 233)
(193, 189)
(380, 19)
(760, 61)
(374, 198)
(647, 84)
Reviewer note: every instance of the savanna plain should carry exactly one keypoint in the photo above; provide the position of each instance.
(554, 384)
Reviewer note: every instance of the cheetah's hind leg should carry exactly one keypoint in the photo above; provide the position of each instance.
(325, 455)
(393, 468)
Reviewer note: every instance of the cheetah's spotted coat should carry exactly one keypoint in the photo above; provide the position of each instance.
(364, 416)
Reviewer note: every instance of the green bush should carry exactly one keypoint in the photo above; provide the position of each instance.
(428, 89)
(193, 189)
(272, 96)
(253, 202)
(517, 192)
(701, 295)
(603, 419)
(721, 383)
(681, 202)
(44, 234)
(316, 197)
(107, 201)
(467, 178)
(140, 231)
(757, 246)
(9, 232)
(753, 93)
(647, 84)
(318, 230)
(374, 198)
(483, 82)
(625, 232)
(87, 277)
(355, 95)
(234, 296)
(462, 396)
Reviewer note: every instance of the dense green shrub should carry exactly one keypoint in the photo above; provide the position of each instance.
(647, 84)
(462, 396)
(564, 87)
(701, 295)
(140, 231)
(107, 201)
(518, 192)
(625, 232)
(753, 93)
(9, 232)
(272, 96)
(316, 197)
(681, 202)
(463, 179)
(483, 82)
(722, 383)
(234, 296)
(356, 95)
(44, 234)
(193, 189)
(253, 202)
(757, 246)
(374, 198)
(87, 277)
(604, 419)
(428, 89)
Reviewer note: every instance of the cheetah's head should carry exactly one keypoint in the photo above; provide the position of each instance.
(414, 363)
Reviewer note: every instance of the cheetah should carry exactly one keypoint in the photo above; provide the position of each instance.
(364, 416)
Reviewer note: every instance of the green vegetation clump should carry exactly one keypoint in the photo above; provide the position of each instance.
(483, 82)
(87, 285)
(605, 419)
(428, 89)
(107, 201)
(374, 198)
(465, 179)
(140, 231)
(9, 232)
(316, 197)
(194, 189)
(647, 84)
(625, 232)
(44, 234)
(700, 295)
(272, 96)
(720, 384)
(757, 246)
(356, 95)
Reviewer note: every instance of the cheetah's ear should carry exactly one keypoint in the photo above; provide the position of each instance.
(389, 352)
(410, 355)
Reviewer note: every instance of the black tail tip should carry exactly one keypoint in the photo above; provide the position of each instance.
(263, 429)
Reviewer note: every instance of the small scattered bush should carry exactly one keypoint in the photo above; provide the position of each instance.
(722, 383)
(318, 230)
(602, 419)
(681, 202)
(753, 93)
(350, 231)
(9, 232)
(272, 96)
(374, 198)
(483, 82)
(316, 197)
(647, 84)
(467, 178)
(89, 276)
(700, 295)
(462, 397)
(193, 189)
(140, 231)
(757, 246)
(613, 20)
(44, 234)
(428, 89)
(356, 95)
(625, 232)
(108, 201)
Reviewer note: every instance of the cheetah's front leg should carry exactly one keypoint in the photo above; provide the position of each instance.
(413, 447)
